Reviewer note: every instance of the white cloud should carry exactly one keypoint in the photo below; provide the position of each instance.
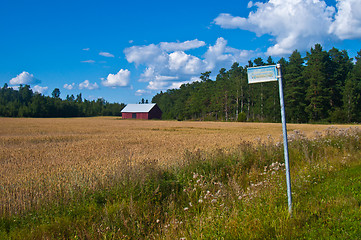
(165, 69)
(181, 46)
(40, 89)
(141, 92)
(121, 79)
(145, 55)
(178, 84)
(227, 21)
(157, 85)
(87, 85)
(149, 73)
(24, 78)
(218, 55)
(106, 54)
(166, 78)
(88, 61)
(295, 24)
(69, 86)
(86, 49)
(347, 24)
(184, 63)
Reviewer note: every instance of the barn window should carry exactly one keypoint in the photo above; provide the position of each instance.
(134, 115)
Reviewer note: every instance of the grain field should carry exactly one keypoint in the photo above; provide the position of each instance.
(44, 160)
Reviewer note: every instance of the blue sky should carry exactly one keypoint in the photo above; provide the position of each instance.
(124, 51)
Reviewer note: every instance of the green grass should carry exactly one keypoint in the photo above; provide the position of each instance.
(333, 207)
(238, 194)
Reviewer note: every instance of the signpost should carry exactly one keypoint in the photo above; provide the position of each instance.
(262, 74)
(267, 74)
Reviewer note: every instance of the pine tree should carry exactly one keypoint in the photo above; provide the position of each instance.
(317, 75)
(352, 93)
(295, 89)
(341, 65)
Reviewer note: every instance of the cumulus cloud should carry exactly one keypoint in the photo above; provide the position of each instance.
(228, 21)
(106, 54)
(217, 54)
(40, 89)
(145, 54)
(141, 92)
(121, 79)
(347, 24)
(167, 65)
(24, 78)
(87, 85)
(184, 63)
(156, 85)
(295, 24)
(69, 86)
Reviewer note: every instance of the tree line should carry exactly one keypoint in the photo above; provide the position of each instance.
(323, 86)
(25, 103)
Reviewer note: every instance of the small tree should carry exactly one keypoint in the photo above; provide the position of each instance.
(56, 93)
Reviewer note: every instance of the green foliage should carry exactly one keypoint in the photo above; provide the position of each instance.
(25, 103)
(242, 117)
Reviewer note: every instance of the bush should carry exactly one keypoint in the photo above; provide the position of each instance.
(242, 117)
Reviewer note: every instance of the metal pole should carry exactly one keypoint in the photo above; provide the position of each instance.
(285, 142)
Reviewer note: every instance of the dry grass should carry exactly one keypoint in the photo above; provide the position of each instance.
(42, 160)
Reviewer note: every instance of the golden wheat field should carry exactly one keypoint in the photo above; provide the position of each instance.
(42, 160)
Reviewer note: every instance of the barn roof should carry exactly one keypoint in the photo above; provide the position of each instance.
(138, 107)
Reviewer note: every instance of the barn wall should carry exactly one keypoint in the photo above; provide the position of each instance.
(139, 115)
(155, 112)
(126, 115)
(142, 115)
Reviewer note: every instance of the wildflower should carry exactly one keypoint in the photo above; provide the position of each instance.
(186, 209)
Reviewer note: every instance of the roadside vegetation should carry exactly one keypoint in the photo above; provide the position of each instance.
(216, 194)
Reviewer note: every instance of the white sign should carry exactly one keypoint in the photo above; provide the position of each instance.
(262, 74)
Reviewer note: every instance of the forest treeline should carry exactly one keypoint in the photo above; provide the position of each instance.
(323, 86)
(25, 103)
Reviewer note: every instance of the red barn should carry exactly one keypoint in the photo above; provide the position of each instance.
(142, 111)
